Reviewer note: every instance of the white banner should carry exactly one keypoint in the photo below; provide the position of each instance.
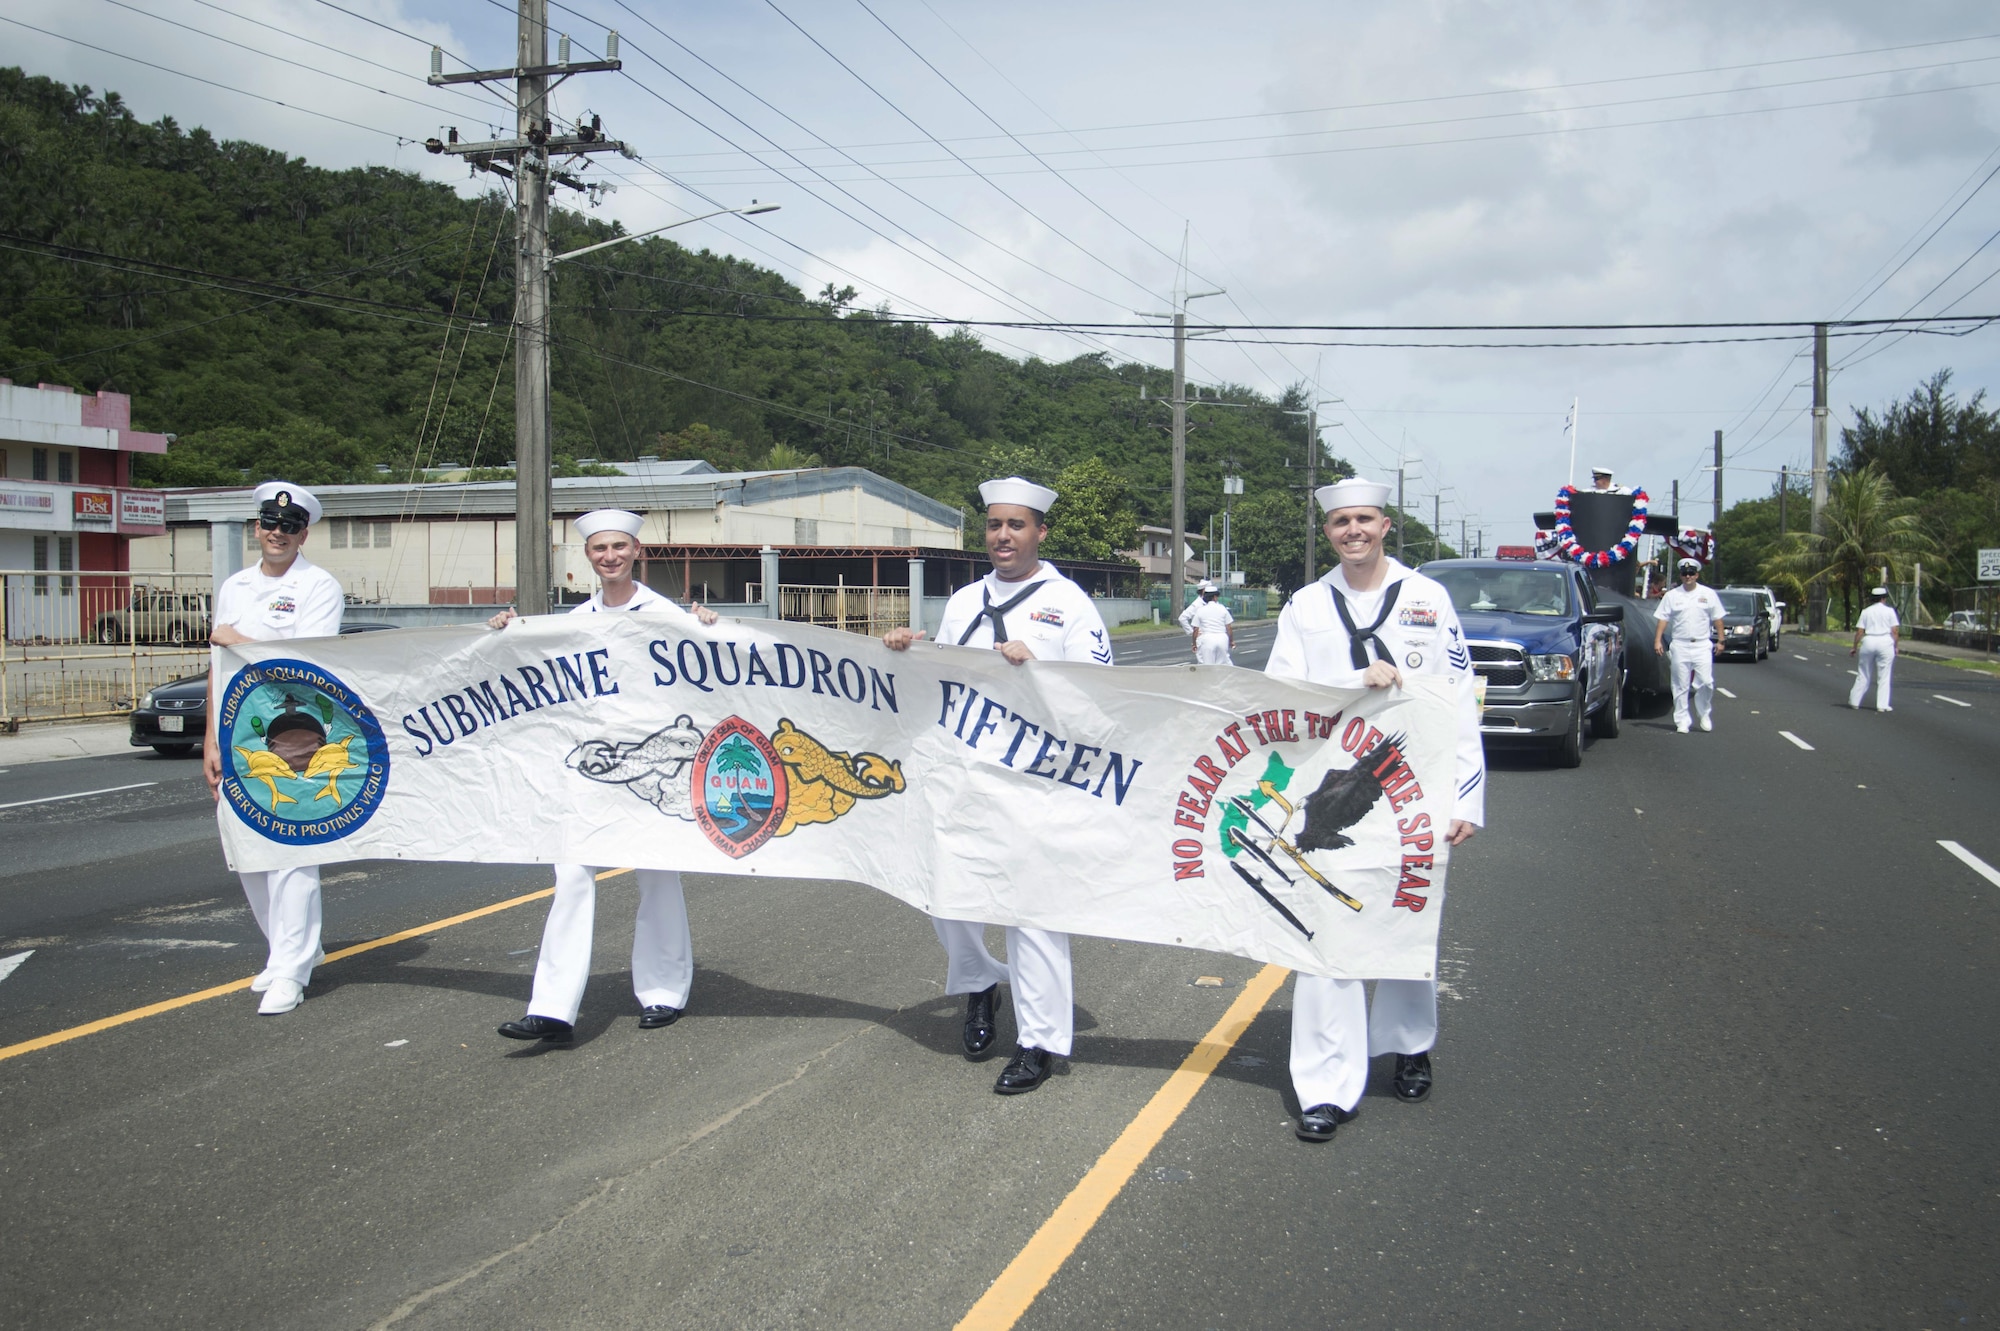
(1204, 806)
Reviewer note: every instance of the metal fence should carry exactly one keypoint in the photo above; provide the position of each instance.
(870, 610)
(86, 644)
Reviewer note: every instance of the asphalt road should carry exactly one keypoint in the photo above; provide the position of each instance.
(1716, 1050)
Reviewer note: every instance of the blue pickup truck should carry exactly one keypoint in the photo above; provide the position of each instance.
(1550, 647)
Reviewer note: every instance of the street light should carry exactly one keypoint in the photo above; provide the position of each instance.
(753, 210)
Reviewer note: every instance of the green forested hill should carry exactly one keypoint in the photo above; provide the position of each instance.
(278, 316)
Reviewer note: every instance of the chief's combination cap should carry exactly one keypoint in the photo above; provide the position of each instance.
(1600, 471)
(1879, 591)
(1351, 493)
(274, 498)
(1690, 566)
(1206, 586)
(1014, 490)
(608, 519)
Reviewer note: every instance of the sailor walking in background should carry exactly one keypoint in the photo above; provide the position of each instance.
(1026, 610)
(1877, 635)
(1212, 626)
(662, 952)
(1366, 623)
(282, 596)
(1691, 615)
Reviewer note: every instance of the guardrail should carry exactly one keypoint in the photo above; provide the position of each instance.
(76, 644)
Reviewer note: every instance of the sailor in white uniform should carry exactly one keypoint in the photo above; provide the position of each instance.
(1369, 621)
(282, 596)
(1026, 610)
(662, 952)
(1691, 615)
(1212, 626)
(1877, 635)
(1600, 480)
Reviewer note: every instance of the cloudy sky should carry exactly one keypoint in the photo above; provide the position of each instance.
(1333, 163)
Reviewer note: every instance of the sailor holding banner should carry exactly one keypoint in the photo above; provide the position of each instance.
(1026, 610)
(1213, 627)
(1366, 622)
(283, 596)
(662, 953)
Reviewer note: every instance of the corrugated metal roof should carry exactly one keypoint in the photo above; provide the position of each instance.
(658, 489)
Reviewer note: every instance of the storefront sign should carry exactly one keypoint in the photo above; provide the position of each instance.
(141, 508)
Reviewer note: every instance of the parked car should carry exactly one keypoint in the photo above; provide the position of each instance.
(1551, 655)
(1746, 625)
(155, 615)
(1773, 605)
(173, 718)
(1963, 621)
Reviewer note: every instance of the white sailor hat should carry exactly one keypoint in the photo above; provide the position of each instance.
(1600, 471)
(608, 519)
(1690, 566)
(285, 495)
(1207, 585)
(1352, 492)
(1879, 591)
(1015, 490)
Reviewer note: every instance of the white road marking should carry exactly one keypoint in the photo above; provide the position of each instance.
(1797, 657)
(1796, 740)
(1973, 862)
(395, 1044)
(1855, 673)
(8, 965)
(81, 794)
(1953, 701)
(1725, 693)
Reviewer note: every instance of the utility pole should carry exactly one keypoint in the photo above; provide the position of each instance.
(525, 159)
(1784, 490)
(1177, 569)
(1437, 529)
(1816, 594)
(1313, 427)
(1399, 510)
(1677, 501)
(1715, 574)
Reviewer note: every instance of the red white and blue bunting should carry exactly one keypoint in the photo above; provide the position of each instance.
(1566, 534)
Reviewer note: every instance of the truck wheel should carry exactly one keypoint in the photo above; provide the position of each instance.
(1568, 751)
(108, 634)
(1604, 725)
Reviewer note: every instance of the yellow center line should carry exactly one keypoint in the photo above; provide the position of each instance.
(1036, 1264)
(236, 986)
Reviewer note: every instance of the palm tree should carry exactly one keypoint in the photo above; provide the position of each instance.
(1865, 528)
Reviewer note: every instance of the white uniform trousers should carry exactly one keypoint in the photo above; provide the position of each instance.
(1037, 971)
(1212, 649)
(1334, 1031)
(1876, 661)
(662, 952)
(1693, 663)
(286, 905)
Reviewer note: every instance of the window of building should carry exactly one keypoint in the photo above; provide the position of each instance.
(65, 467)
(65, 561)
(41, 468)
(41, 544)
(3, 462)
(805, 531)
(382, 530)
(336, 534)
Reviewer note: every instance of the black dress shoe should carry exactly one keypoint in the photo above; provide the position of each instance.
(1318, 1123)
(1026, 1070)
(1413, 1076)
(658, 1015)
(538, 1028)
(977, 1037)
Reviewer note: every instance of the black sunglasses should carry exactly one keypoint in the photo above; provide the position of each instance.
(289, 526)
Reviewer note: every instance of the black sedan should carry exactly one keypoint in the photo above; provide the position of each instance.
(172, 718)
(1746, 625)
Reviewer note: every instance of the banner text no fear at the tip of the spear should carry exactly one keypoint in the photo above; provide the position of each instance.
(1203, 806)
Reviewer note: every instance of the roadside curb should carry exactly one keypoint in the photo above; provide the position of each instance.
(52, 743)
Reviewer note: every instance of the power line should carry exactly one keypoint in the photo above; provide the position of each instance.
(181, 73)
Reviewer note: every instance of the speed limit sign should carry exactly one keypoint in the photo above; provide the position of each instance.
(1989, 565)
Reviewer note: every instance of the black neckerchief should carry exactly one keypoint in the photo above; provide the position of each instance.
(1359, 639)
(997, 613)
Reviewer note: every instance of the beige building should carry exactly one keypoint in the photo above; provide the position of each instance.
(453, 543)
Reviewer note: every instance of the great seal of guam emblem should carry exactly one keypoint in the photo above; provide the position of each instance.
(739, 787)
(303, 759)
